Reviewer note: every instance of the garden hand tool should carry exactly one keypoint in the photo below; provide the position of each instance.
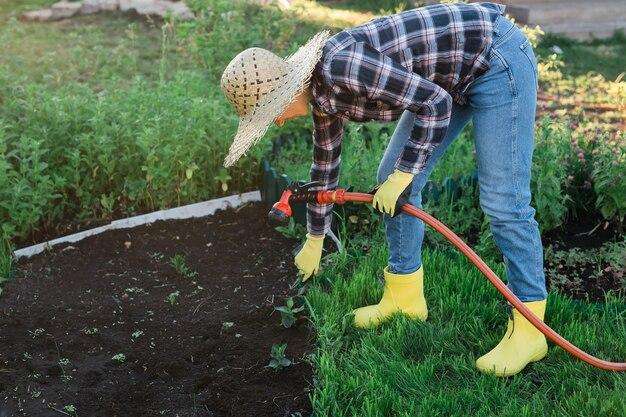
(308, 259)
(403, 293)
(281, 211)
(522, 343)
(388, 194)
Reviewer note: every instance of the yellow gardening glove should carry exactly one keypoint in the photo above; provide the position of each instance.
(387, 195)
(308, 259)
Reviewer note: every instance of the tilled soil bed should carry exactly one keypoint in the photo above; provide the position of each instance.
(188, 341)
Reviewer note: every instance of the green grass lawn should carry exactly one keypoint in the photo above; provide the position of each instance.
(97, 50)
(410, 368)
(604, 56)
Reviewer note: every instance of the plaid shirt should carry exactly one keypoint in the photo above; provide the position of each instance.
(419, 60)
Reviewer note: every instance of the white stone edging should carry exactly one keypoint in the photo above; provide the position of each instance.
(205, 208)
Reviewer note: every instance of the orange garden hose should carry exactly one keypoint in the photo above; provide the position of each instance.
(341, 196)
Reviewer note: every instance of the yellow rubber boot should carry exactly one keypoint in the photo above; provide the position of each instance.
(521, 345)
(403, 293)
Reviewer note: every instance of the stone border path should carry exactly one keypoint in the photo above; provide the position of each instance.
(147, 8)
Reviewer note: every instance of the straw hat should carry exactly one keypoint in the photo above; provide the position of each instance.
(260, 85)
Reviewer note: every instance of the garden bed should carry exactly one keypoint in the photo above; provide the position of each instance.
(185, 307)
(585, 258)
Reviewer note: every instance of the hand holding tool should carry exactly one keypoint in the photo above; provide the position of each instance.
(387, 196)
(308, 259)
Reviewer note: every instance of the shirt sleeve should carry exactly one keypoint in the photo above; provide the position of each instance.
(327, 136)
(364, 71)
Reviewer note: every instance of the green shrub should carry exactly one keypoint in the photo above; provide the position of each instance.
(549, 174)
(458, 160)
(223, 28)
(74, 154)
(609, 180)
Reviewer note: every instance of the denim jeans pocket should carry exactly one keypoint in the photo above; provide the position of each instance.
(498, 63)
(528, 51)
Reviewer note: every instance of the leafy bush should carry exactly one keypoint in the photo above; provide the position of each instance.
(74, 154)
(549, 174)
(224, 27)
(609, 180)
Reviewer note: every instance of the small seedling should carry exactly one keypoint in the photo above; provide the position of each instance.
(288, 313)
(135, 290)
(180, 265)
(223, 178)
(157, 256)
(91, 331)
(119, 358)
(37, 332)
(136, 335)
(293, 230)
(279, 360)
(64, 362)
(172, 298)
(70, 409)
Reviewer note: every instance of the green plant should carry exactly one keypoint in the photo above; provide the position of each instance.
(609, 180)
(37, 332)
(91, 331)
(463, 215)
(180, 265)
(288, 313)
(70, 409)
(119, 358)
(6, 260)
(172, 298)
(278, 359)
(562, 265)
(458, 160)
(223, 178)
(293, 230)
(157, 256)
(549, 174)
(135, 290)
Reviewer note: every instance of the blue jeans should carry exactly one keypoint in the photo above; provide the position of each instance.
(501, 106)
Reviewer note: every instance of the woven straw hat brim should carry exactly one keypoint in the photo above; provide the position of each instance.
(253, 126)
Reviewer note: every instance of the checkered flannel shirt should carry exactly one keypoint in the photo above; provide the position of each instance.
(419, 60)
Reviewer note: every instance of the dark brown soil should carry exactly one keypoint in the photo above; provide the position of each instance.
(67, 313)
(582, 276)
(585, 232)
